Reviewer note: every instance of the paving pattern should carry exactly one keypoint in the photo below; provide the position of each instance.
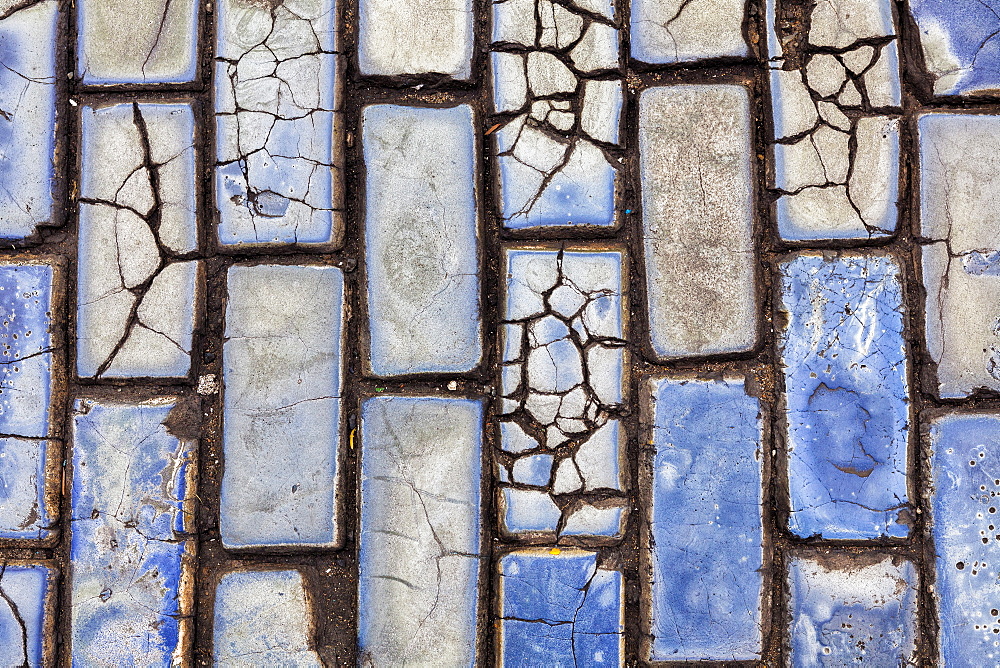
(500, 333)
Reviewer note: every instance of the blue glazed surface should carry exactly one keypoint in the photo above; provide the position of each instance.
(706, 526)
(846, 395)
(852, 612)
(27, 133)
(965, 524)
(969, 29)
(25, 590)
(129, 488)
(559, 610)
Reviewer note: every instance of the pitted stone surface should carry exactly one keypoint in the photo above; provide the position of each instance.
(419, 553)
(133, 508)
(137, 281)
(421, 239)
(706, 531)
(697, 200)
(282, 377)
(671, 31)
(430, 37)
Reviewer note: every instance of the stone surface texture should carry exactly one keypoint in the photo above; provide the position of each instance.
(846, 400)
(283, 380)
(137, 279)
(959, 43)
(673, 31)
(403, 38)
(279, 133)
(697, 219)
(960, 257)
(422, 242)
(706, 532)
(133, 501)
(26, 592)
(420, 530)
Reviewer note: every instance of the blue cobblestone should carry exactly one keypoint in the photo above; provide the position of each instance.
(847, 410)
(25, 621)
(959, 44)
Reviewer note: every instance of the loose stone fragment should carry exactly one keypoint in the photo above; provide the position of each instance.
(28, 47)
(960, 222)
(27, 508)
(671, 31)
(433, 37)
(852, 610)
(26, 593)
(837, 148)
(557, 143)
(706, 532)
(960, 47)
(263, 618)
(846, 395)
(562, 381)
(559, 609)
(137, 281)
(965, 490)
(137, 41)
(282, 385)
(421, 239)
(278, 100)
(697, 201)
(133, 505)
(420, 526)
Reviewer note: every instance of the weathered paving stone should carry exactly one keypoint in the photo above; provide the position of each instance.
(421, 239)
(28, 100)
(960, 49)
(559, 608)
(263, 618)
(557, 83)
(133, 506)
(846, 398)
(282, 377)
(279, 138)
(137, 41)
(137, 281)
(26, 614)
(419, 553)
(697, 211)
(836, 148)
(964, 496)
(960, 225)
(852, 610)
(27, 504)
(674, 31)
(706, 532)
(562, 379)
(434, 37)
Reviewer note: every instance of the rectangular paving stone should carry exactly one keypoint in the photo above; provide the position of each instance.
(562, 379)
(960, 220)
(837, 141)
(550, 67)
(263, 618)
(671, 31)
(28, 501)
(964, 495)
(846, 395)
(279, 133)
(27, 616)
(133, 499)
(137, 41)
(697, 216)
(705, 542)
(421, 239)
(137, 284)
(559, 608)
(282, 376)
(957, 38)
(420, 530)
(852, 610)
(435, 37)
(28, 78)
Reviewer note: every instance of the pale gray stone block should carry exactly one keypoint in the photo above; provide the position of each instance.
(416, 38)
